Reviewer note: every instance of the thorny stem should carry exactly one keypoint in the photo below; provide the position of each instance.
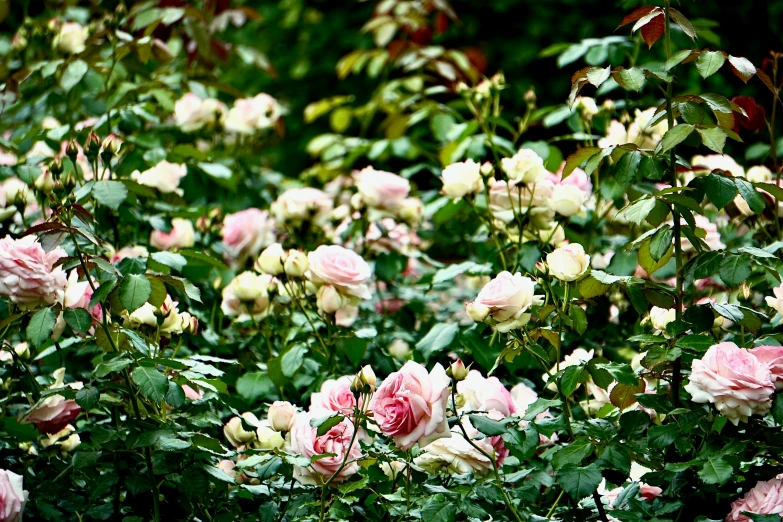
(677, 369)
(491, 458)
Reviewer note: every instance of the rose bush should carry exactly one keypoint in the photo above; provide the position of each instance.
(458, 311)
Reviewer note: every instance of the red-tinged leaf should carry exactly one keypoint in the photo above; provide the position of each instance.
(637, 14)
(641, 22)
(766, 80)
(742, 68)
(754, 118)
(82, 212)
(45, 227)
(653, 30)
(597, 75)
(685, 24)
(581, 74)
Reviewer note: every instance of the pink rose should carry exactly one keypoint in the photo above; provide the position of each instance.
(12, 496)
(27, 273)
(380, 189)
(506, 299)
(766, 498)
(53, 414)
(303, 440)
(181, 235)
(342, 268)
(773, 357)
(299, 204)
(732, 378)
(346, 316)
(335, 395)
(410, 405)
(246, 232)
(523, 396)
(129, 251)
(486, 394)
(191, 393)
(710, 229)
(392, 236)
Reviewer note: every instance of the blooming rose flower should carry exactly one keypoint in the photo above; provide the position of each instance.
(281, 415)
(247, 295)
(381, 189)
(734, 379)
(181, 235)
(703, 165)
(773, 357)
(525, 166)
(506, 201)
(759, 174)
(55, 412)
(268, 437)
(485, 394)
(342, 268)
(12, 496)
(660, 317)
(456, 456)
(71, 38)
(339, 441)
(638, 132)
(67, 439)
(27, 273)
(246, 232)
(191, 113)
(164, 176)
(523, 396)
(777, 301)
(299, 204)
(174, 322)
(249, 115)
(569, 262)
(410, 405)
(578, 356)
(506, 299)
(335, 395)
(766, 498)
(461, 179)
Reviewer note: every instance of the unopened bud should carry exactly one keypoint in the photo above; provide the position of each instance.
(745, 289)
(411, 210)
(92, 146)
(271, 260)
(477, 312)
(72, 150)
(458, 371)
(399, 349)
(45, 182)
(365, 378)
(487, 168)
(329, 299)
(56, 167)
(281, 415)
(296, 263)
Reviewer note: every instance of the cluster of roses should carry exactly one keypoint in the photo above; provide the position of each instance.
(247, 116)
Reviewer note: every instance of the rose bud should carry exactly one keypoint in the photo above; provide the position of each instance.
(281, 415)
(329, 299)
(236, 434)
(296, 263)
(477, 312)
(458, 371)
(271, 260)
(568, 263)
(399, 349)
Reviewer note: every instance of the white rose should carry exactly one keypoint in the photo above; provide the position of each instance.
(566, 200)
(660, 317)
(461, 179)
(381, 189)
(71, 38)
(271, 260)
(759, 174)
(164, 176)
(296, 264)
(525, 166)
(569, 262)
(191, 113)
(399, 349)
(268, 438)
(249, 115)
(329, 299)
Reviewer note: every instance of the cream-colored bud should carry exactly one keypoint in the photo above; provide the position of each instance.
(296, 263)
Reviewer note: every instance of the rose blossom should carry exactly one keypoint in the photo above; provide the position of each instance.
(181, 235)
(523, 396)
(299, 204)
(410, 405)
(660, 317)
(456, 456)
(773, 357)
(342, 268)
(27, 273)
(71, 38)
(569, 262)
(129, 251)
(339, 441)
(525, 166)
(485, 394)
(235, 432)
(247, 295)
(732, 378)
(164, 176)
(249, 115)
(507, 200)
(335, 395)
(766, 498)
(346, 316)
(191, 113)
(12, 496)
(461, 179)
(506, 299)
(381, 189)
(777, 301)
(281, 415)
(246, 232)
(55, 412)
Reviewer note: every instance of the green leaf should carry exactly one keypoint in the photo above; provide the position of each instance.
(292, 359)
(170, 259)
(570, 379)
(573, 453)
(638, 210)
(616, 456)
(216, 170)
(151, 382)
(696, 342)
(324, 424)
(652, 168)
(709, 62)
(754, 199)
(577, 158)
(742, 68)
(627, 168)
(598, 75)
(437, 339)
(734, 270)
(719, 189)
(715, 471)
(353, 347)
(777, 409)
(438, 509)
(135, 289)
(448, 273)
(579, 319)
(73, 74)
(629, 79)
(590, 288)
(87, 397)
(676, 59)
(40, 327)
(579, 482)
(676, 135)
(661, 242)
(487, 426)
(714, 138)
(78, 319)
(110, 193)
(175, 395)
(253, 386)
(102, 292)
(660, 437)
